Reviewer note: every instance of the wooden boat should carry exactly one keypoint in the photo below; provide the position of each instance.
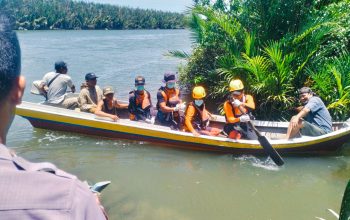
(48, 117)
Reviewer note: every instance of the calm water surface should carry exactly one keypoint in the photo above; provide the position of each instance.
(152, 182)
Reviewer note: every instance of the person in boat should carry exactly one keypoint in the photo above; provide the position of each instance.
(90, 94)
(54, 87)
(107, 107)
(140, 103)
(169, 103)
(238, 111)
(197, 116)
(313, 118)
(33, 190)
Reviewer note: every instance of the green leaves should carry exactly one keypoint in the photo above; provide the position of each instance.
(332, 81)
(68, 14)
(275, 47)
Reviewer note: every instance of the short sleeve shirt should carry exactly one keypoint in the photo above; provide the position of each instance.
(58, 87)
(319, 114)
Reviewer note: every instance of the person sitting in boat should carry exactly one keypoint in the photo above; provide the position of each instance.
(313, 118)
(107, 107)
(238, 110)
(197, 116)
(140, 103)
(54, 87)
(90, 94)
(169, 103)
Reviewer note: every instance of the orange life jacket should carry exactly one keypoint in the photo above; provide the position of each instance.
(171, 97)
(139, 104)
(235, 110)
(201, 116)
(142, 100)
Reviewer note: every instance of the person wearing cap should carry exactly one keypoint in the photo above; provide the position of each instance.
(55, 84)
(313, 118)
(140, 103)
(90, 94)
(33, 190)
(197, 116)
(238, 110)
(108, 106)
(169, 103)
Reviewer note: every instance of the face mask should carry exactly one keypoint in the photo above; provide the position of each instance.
(171, 85)
(140, 88)
(198, 102)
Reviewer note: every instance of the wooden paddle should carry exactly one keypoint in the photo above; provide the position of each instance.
(265, 143)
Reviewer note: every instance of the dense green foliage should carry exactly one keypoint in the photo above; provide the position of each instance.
(68, 14)
(275, 47)
(345, 205)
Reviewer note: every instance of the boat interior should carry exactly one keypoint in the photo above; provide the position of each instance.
(271, 129)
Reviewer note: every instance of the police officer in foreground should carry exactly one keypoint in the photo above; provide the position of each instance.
(33, 190)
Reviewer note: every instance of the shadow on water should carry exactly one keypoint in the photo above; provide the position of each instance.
(343, 170)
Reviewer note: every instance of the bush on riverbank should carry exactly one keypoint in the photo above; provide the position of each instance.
(68, 14)
(275, 47)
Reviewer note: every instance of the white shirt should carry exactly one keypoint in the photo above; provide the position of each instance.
(58, 88)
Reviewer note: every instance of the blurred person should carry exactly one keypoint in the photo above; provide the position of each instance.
(33, 190)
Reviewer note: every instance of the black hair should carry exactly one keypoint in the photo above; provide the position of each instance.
(59, 66)
(10, 56)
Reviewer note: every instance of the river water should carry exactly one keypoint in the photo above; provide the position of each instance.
(153, 182)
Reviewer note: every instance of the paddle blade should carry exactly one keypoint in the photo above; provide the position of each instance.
(270, 150)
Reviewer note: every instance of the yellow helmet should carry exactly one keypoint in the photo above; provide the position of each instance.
(198, 92)
(236, 85)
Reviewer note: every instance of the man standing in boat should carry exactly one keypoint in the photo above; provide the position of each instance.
(109, 105)
(33, 190)
(169, 103)
(90, 94)
(238, 110)
(54, 86)
(313, 118)
(140, 103)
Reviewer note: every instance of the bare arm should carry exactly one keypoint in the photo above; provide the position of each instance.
(121, 105)
(101, 113)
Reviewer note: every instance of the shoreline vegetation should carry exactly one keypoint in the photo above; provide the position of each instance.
(78, 15)
(275, 47)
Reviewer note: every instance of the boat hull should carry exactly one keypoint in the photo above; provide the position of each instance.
(51, 118)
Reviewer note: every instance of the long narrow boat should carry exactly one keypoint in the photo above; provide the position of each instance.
(48, 117)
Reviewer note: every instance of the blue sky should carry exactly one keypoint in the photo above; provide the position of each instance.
(164, 5)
